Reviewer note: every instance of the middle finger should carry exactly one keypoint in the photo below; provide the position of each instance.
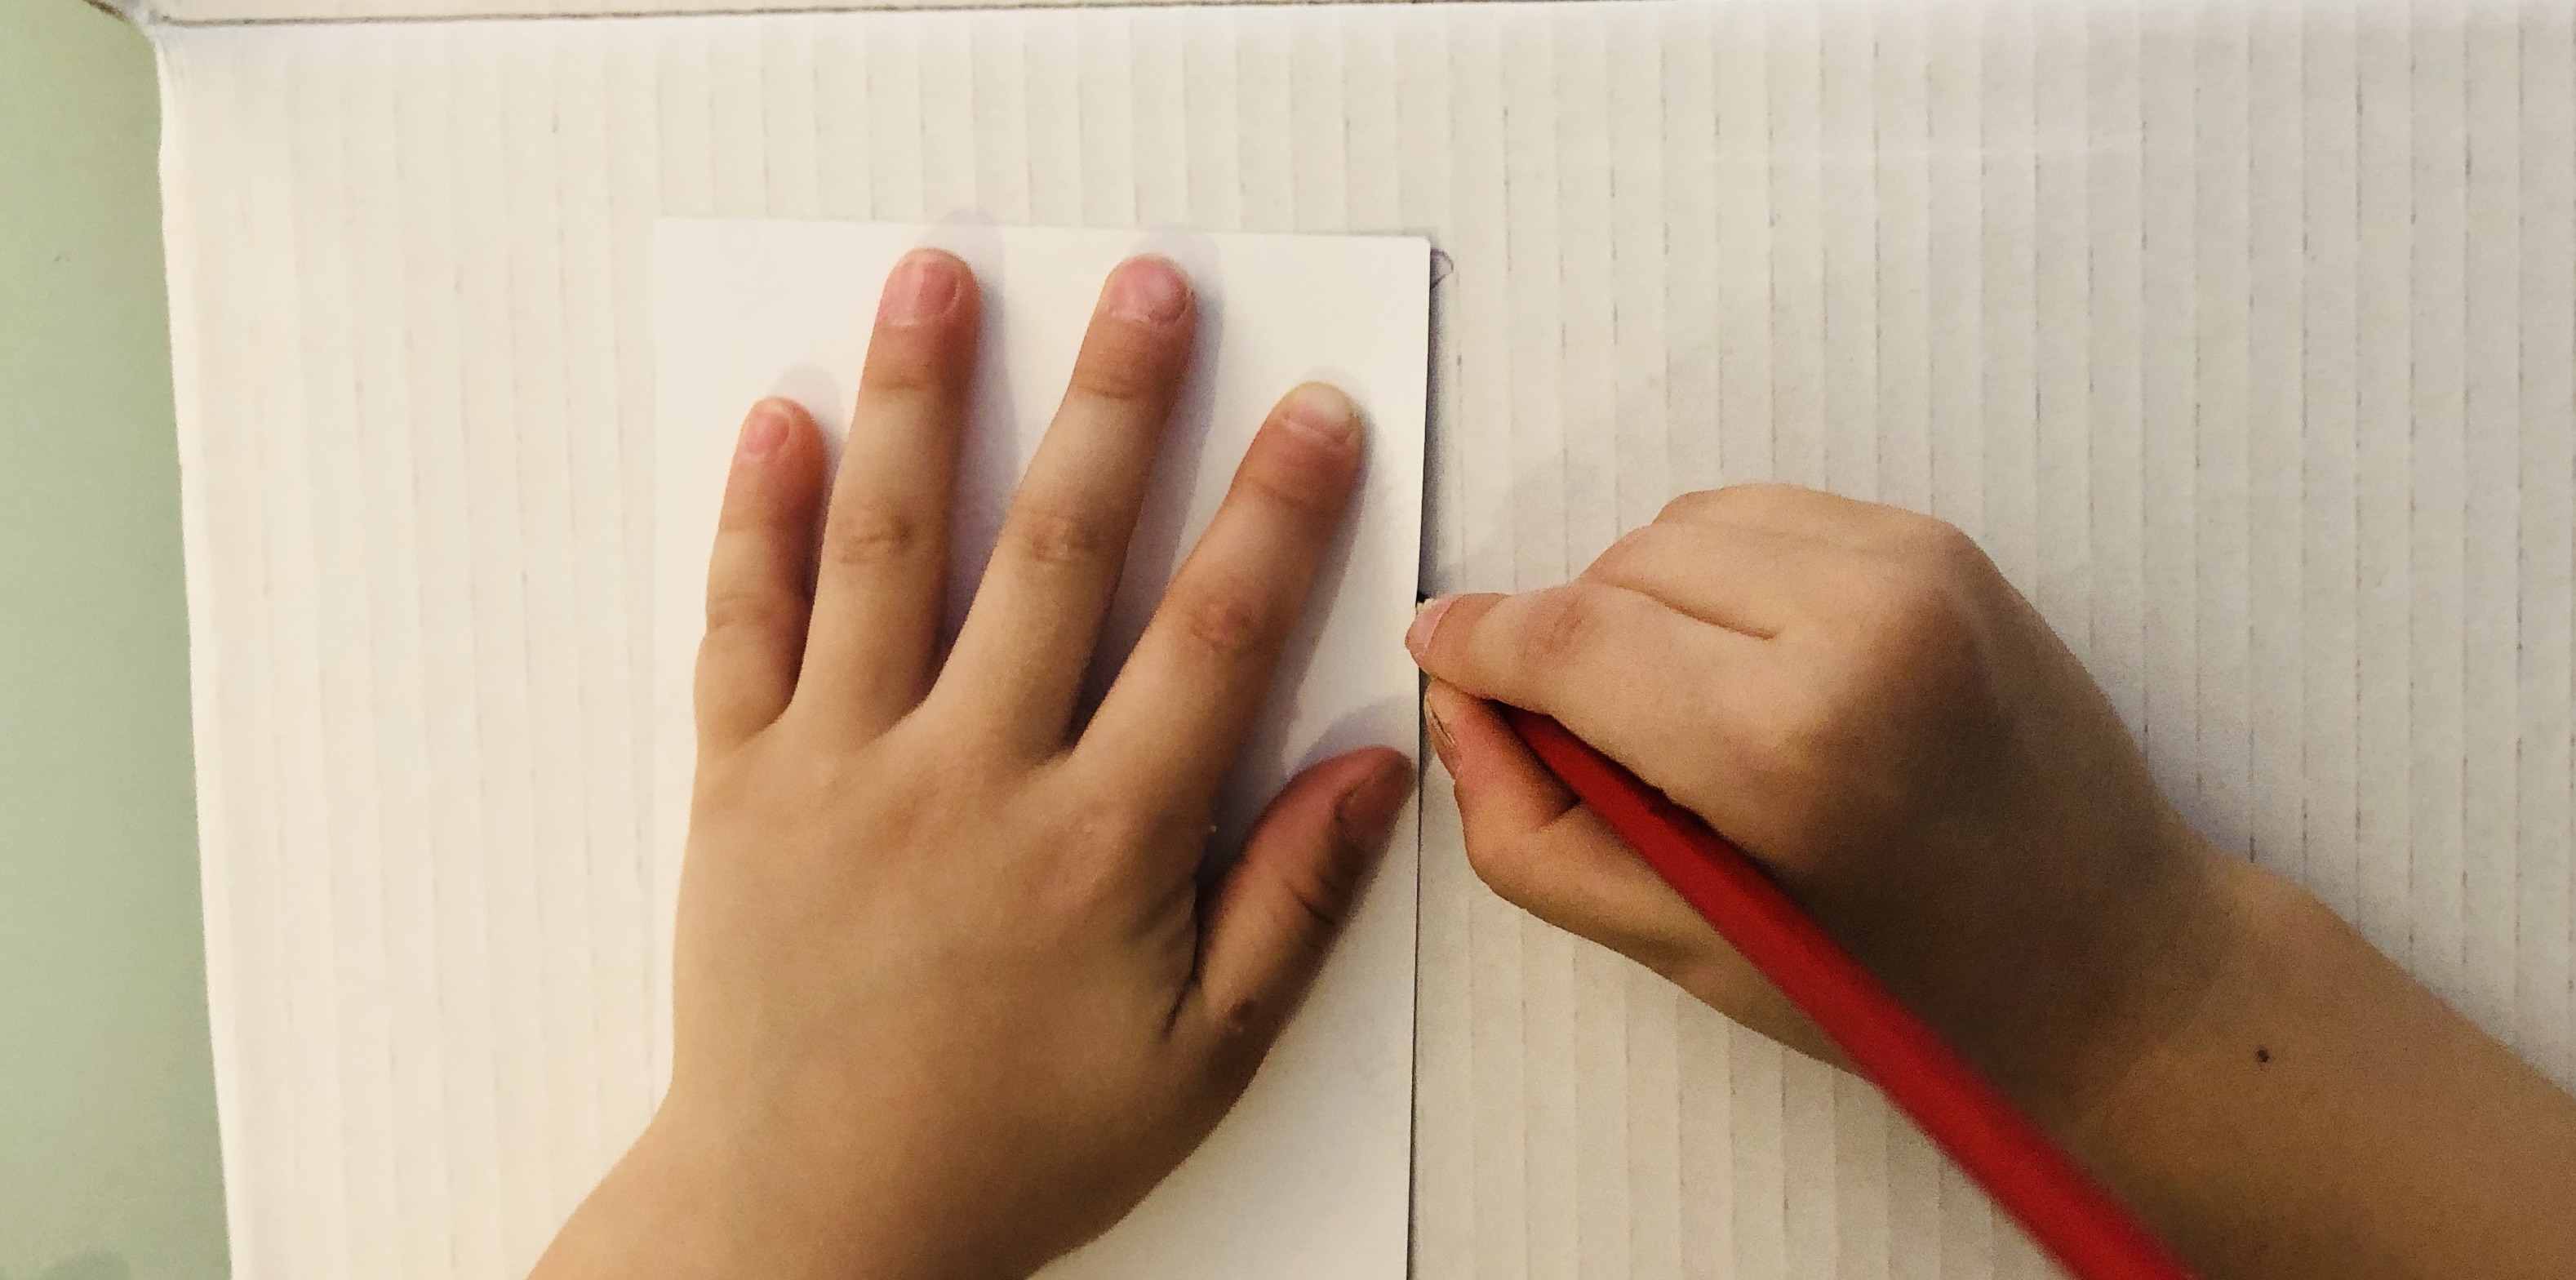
(1019, 659)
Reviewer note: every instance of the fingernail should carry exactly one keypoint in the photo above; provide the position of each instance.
(1367, 811)
(1439, 729)
(922, 288)
(765, 430)
(1322, 411)
(1148, 290)
(1426, 623)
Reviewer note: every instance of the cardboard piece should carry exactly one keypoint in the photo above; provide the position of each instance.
(2244, 335)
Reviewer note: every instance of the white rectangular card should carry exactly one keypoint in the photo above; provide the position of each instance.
(1309, 1176)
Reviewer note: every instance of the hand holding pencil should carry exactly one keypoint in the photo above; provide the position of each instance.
(1856, 697)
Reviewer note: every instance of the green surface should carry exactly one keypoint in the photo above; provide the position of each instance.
(107, 1114)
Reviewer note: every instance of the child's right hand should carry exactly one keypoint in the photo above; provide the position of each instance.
(1858, 698)
(1854, 695)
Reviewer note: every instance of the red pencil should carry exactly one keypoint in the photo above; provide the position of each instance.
(2062, 1208)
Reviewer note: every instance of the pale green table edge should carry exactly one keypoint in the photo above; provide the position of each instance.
(108, 1162)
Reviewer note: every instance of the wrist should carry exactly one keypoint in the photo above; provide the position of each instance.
(2184, 1124)
(704, 1196)
(2159, 937)
(2225, 977)
(2316, 1112)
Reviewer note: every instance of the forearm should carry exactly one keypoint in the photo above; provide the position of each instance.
(2321, 1114)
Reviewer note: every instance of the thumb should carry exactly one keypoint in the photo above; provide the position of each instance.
(1534, 843)
(1275, 915)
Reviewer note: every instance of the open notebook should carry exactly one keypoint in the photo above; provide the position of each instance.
(1322, 1143)
(2244, 333)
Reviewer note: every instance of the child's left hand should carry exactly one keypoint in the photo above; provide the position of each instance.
(949, 1002)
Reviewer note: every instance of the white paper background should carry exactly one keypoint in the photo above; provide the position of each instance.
(1308, 1176)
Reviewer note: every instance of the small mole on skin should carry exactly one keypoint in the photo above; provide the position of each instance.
(2262, 1056)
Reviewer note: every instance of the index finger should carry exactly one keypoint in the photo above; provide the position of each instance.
(1177, 715)
(1636, 678)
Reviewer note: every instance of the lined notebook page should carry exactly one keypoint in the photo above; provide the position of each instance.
(2243, 335)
